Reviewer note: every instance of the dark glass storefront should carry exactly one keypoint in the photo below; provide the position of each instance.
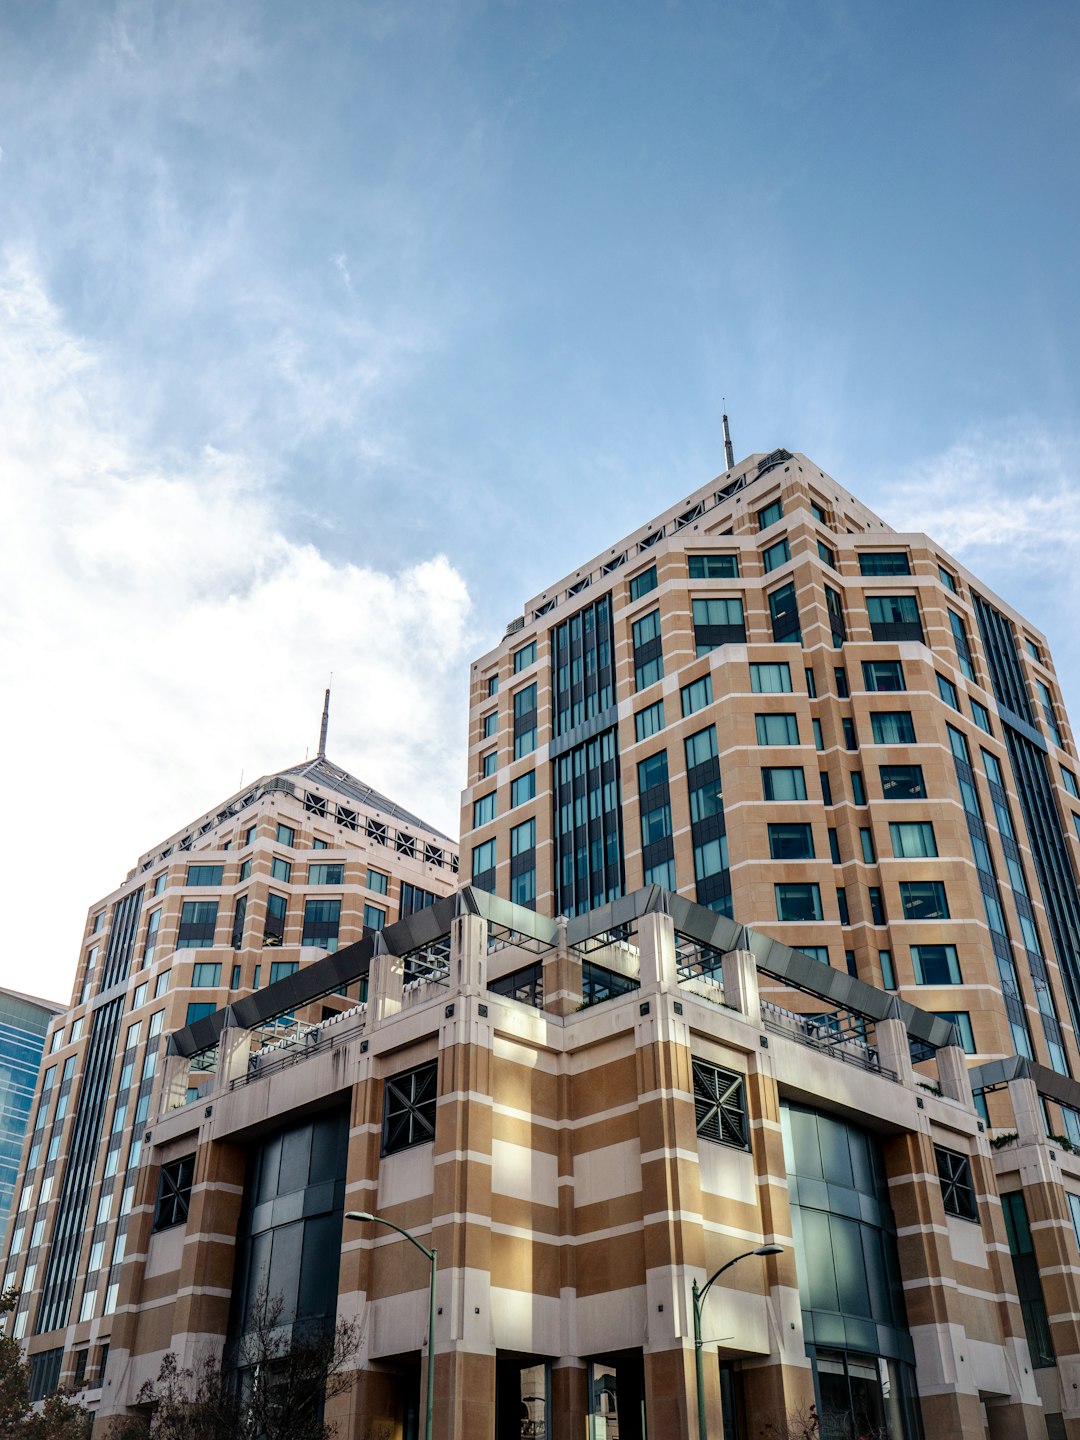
(849, 1279)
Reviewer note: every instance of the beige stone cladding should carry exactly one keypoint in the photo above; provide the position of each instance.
(842, 733)
(211, 915)
(571, 1188)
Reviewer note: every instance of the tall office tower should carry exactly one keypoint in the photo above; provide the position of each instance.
(771, 703)
(248, 896)
(24, 1019)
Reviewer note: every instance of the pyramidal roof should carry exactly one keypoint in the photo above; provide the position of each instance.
(321, 771)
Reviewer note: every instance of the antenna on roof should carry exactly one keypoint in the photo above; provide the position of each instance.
(325, 722)
(729, 453)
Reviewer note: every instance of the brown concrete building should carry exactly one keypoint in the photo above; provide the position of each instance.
(248, 896)
(771, 941)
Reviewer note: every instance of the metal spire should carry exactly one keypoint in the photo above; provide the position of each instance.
(729, 453)
(325, 724)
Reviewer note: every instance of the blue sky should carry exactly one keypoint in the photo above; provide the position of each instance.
(330, 332)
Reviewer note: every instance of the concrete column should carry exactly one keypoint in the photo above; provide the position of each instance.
(656, 945)
(385, 985)
(1027, 1112)
(174, 1083)
(953, 1075)
(468, 954)
(741, 984)
(894, 1051)
(234, 1050)
(562, 975)
(569, 1397)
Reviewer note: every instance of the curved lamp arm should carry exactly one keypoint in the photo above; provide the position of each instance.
(363, 1215)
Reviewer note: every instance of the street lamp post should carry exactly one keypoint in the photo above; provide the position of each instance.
(433, 1258)
(699, 1299)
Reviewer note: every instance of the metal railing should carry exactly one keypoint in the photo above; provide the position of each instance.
(831, 1036)
(302, 1043)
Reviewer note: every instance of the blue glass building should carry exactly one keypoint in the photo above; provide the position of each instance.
(23, 1023)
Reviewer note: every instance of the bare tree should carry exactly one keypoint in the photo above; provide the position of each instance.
(276, 1388)
(58, 1419)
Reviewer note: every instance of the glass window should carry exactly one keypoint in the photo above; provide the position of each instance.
(523, 837)
(522, 789)
(483, 810)
(771, 679)
(842, 905)
(912, 840)
(198, 921)
(720, 1105)
(980, 715)
(696, 695)
(377, 881)
(492, 685)
(489, 764)
(791, 842)
(858, 789)
(894, 617)
(962, 1020)
(776, 555)
(286, 835)
(205, 974)
(811, 683)
(409, 1105)
(834, 846)
(840, 677)
(826, 788)
(946, 579)
(884, 562)
(322, 922)
(784, 613)
(957, 1187)
(489, 724)
(935, 965)
(866, 840)
(648, 656)
(777, 729)
(327, 873)
(798, 902)
(819, 738)
(281, 869)
(713, 567)
(524, 657)
(1068, 779)
(643, 583)
(770, 514)
(826, 554)
(881, 675)
(483, 857)
(783, 782)
(374, 918)
(204, 874)
(924, 900)
(851, 741)
(649, 721)
(199, 1010)
(277, 907)
(153, 924)
(245, 870)
(902, 782)
(892, 727)
(162, 984)
(888, 974)
(717, 621)
(947, 691)
(963, 649)
(701, 747)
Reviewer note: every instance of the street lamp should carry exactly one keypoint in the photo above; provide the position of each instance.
(699, 1299)
(433, 1258)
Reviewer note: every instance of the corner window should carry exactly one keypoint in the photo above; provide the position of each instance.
(784, 614)
(783, 782)
(204, 874)
(522, 789)
(894, 617)
(489, 763)
(826, 554)
(777, 729)
(483, 810)
(641, 584)
(327, 873)
(1068, 779)
(377, 881)
(286, 835)
(174, 1193)
(791, 842)
(884, 562)
(957, 1187)
(720, 1105)
(649, 721)
(962, 1020)
(902, 782)
(947, 691)
(489, 724)
(648, 653)
(717, 622)
(524, 657)
(769, 515)
(980, 715)
(946, 579)
(892, 727)
(696, 695)
(374, 918)
(776, 555)
(205, 975)
(912, 840)
(492, 685)
(409, 1102)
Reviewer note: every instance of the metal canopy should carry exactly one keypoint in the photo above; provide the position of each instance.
(1060, 1088)
(708, 929)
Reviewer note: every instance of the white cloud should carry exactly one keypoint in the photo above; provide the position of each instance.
(163, 634)
(1006, 503)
